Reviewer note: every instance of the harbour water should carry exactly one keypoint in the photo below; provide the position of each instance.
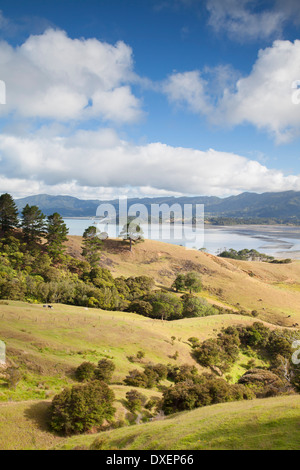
(280, 240)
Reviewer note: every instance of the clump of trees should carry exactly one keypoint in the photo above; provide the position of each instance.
(148, 378)
(190, 282)
(88, 371)
(275, 346)
(251, 255)
(167, 306)
(83, 407)
(221, 352)
(202, 390)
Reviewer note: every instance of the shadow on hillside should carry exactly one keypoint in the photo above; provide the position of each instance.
(115, 246)
(40, 414)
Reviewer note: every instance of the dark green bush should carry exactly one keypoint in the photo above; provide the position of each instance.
(104, 370)
(205, 391)
(182, 373)
(80, 408)
(135, 400)
(85, 372)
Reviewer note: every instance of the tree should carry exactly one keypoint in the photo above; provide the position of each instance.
(179, 283)
(8, 213)
(193, 282)
(190, 281)
(33, 223)
(80, 408)
(85, 372)
(135, 400)
(132, 231)
(56, 235)
(104, 370)
(91, 245)
(140, 307)
(196, 307)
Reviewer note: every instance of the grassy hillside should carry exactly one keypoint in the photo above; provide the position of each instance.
(24, 424)
(271, 423)
(48, 344)
(271, 289)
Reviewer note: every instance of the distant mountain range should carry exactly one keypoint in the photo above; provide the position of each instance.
(280, 205)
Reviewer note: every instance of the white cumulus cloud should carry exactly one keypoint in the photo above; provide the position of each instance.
(100, 159)
(52, 76)
(245, 20)
(263, 98)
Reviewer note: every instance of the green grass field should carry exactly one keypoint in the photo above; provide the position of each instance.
(272, 423)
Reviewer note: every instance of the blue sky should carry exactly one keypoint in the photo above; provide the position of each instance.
(149, 97)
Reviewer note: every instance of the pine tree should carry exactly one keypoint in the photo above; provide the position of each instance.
(56, 235)
(33, 223)
(91, 246)
(8, 213)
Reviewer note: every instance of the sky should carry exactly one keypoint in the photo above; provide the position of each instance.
(109, 98)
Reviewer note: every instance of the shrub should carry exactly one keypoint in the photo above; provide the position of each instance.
(209, 353)
(13, 377)
(182, 373)
(136, 378)
(196, 307)
(255, 336)
(149, 378)
(104, 370)
(140, 355)
(80, 408)
(135, 400)
(194, 341)
(221, 352)
(164, 306)
(205, 391)
(280, 343)
(140, 307)
(160, 370)
(85, 372)
(181, 397)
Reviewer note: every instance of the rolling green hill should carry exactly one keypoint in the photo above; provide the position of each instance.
(271, 423)
(48, 344)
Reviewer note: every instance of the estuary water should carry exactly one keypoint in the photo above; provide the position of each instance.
(275, 240)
